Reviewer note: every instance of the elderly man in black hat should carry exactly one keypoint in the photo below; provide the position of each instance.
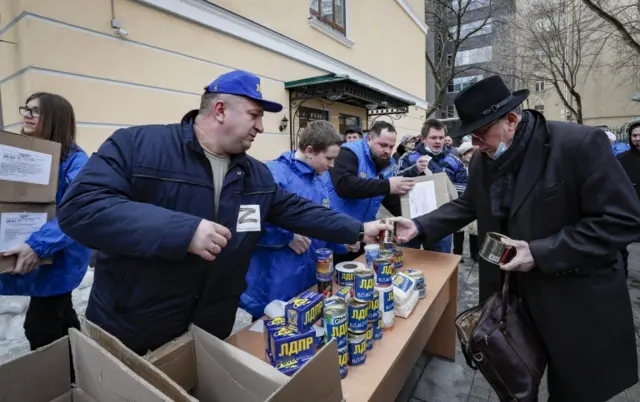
(566, 202)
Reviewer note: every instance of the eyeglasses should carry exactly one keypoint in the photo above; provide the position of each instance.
(482, 131)
(27, 111)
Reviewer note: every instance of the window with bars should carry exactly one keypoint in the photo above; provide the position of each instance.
(539, 86)
(330, 12)
(307, 114)
(348, 121)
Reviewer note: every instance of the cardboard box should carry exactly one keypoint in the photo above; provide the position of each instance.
(17, 222)
(430, 192)
(44, 375)
(28, 169)
(216, 371)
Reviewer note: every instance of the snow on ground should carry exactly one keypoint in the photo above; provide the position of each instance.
(12, 311)
(13, 308)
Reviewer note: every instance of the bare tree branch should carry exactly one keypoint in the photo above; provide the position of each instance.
(557, 42)
(454, 25)
(625, 24)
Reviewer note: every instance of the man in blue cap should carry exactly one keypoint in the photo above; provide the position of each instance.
(176, 211)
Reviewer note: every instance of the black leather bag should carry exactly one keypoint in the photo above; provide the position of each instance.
(498, 339)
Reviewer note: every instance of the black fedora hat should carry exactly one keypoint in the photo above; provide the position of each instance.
(484, 102)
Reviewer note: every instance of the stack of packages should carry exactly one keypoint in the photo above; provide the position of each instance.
(28, 186)
(371, 295)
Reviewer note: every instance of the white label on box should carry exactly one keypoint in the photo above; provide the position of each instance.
(25, 166)
(16, 227)
(422, 198)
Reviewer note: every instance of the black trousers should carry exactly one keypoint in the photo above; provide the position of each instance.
(49, 319)
(458, 244)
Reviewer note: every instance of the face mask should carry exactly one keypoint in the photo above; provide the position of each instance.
(502, 147)
(433, 152)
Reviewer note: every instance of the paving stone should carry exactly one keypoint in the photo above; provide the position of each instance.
(410, 384)
(444, 381)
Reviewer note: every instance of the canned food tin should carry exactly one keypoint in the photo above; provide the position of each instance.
(388, 236)
(357, 348)
(364, 282)
(391, 256)
(358, 313)
(343, 357)
(389, 247)
(370, 336)
(494, 250)
(387, 312)
(384, 271)
(344, 273)
(324, 264)
(371, 252)
(422, 290)
(377, 329)
(374, 307)
(335, 322)
(399, 262)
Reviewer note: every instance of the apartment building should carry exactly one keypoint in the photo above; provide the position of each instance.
(476, 24)
(134, 62)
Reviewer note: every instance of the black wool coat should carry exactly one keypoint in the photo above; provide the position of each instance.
(576, 208)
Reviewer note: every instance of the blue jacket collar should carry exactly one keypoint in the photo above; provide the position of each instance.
(296, 165)
(189, 137)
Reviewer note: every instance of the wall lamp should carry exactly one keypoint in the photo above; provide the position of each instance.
(283, 124)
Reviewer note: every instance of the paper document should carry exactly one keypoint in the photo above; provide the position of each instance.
(422, 198)
(16, 227)
(25, 166)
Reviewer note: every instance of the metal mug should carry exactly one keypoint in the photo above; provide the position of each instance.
(388, 236)
(493, 249)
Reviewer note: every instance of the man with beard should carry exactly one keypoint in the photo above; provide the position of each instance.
(362, 178)
(432, 153)
(630, 161)
(557, 190)
(176, 211)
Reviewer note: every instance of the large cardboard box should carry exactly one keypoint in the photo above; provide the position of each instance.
(17, 222)
(44, 375)
(28, 185)
(429, 193)
(28, 169)
(216, 371)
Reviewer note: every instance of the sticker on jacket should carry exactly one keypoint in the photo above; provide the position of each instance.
(249, 218)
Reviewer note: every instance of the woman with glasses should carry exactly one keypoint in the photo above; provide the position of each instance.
(50, 313)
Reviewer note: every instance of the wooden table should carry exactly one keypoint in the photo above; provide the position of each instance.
(430, 327)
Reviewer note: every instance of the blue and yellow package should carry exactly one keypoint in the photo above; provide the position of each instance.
(270, 326)
(291, 366)
(304, 311)
(286, 344)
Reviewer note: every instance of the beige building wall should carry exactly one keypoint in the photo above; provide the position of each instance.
(157, 72)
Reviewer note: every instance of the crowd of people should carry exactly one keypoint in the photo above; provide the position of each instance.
(188, 227)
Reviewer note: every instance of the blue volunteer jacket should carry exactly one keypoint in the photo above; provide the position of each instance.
(70, 259)
(442, 162)
(276, 272)
(619, 147)
(362, 209)
(140, 199)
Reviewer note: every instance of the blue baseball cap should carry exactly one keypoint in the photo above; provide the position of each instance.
(242, 83)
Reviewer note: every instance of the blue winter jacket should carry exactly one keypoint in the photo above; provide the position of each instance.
(442, 162)
(140, 199)
(619, 147)
(70, 259)
(276, 272)
(362, 209)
